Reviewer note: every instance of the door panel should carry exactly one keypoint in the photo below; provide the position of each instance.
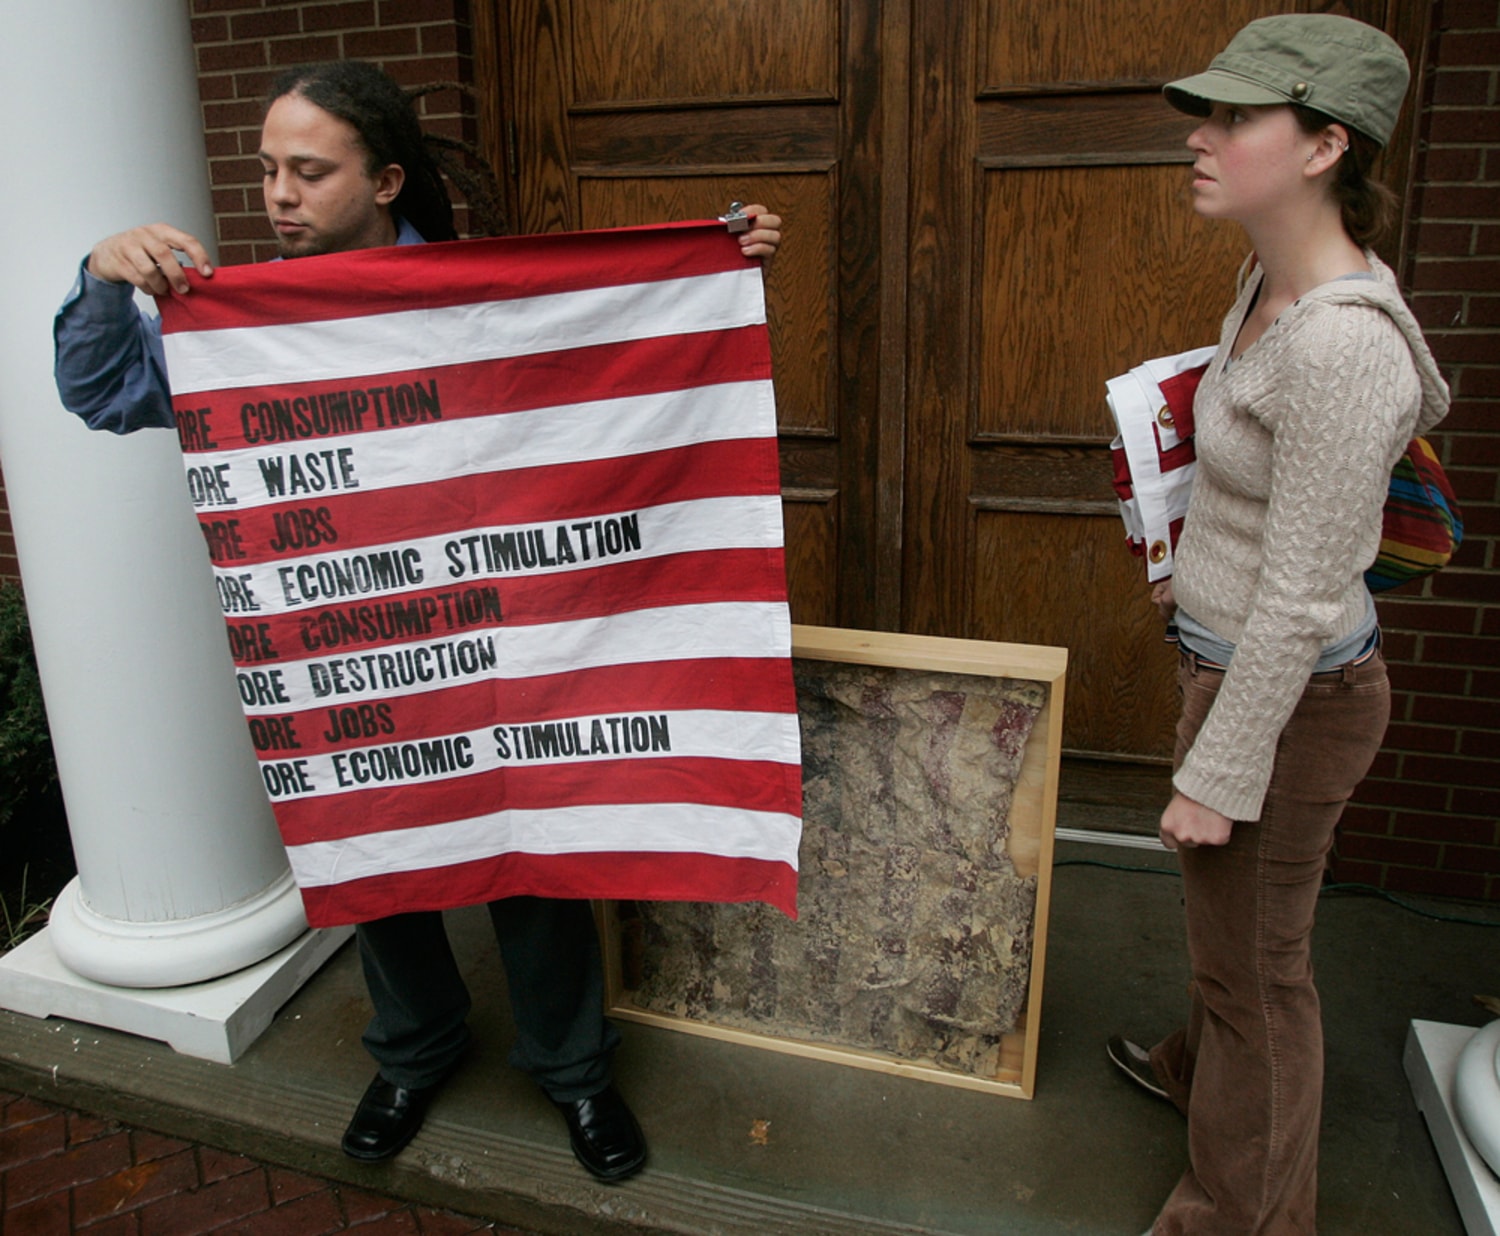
(1066, 578)
(1091, 44)
(1059, 311)
(703, 51)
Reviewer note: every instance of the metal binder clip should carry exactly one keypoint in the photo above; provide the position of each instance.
(736, 220)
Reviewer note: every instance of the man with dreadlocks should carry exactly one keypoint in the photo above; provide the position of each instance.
(345, 168)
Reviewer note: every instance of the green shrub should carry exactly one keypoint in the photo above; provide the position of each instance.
(28, 772)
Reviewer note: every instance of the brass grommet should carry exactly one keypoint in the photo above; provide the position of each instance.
(1157, 552)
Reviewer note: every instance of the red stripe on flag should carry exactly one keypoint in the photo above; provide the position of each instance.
(403, 277)
(750, 784)
(725, 684)
(260, 416)
(659, 877)
(751, 575)
(320, 524)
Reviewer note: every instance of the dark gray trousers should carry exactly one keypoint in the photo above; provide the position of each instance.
(551, 954)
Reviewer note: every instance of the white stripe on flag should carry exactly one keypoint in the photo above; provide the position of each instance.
(473, 446)
(672, 633)
(209, 360)
(287, 584)
(771, 737)
(674, 828)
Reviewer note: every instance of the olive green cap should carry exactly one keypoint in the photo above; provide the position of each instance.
(1336, 65)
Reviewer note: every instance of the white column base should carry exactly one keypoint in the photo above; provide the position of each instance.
(176, 952)
(214, 1020)
(1476, 1093)
(1431, 1059)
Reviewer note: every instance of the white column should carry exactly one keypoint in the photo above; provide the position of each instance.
(182, 877)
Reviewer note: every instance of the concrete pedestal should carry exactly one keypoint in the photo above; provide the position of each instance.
(1431, 1059)
(215, 1020)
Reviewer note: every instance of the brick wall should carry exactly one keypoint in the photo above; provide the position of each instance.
(243, 44)
(8, 567)
(1428, 818)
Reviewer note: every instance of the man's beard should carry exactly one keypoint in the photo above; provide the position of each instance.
(289, 248)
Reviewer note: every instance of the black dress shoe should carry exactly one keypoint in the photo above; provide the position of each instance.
(606, 1139)
(386, 1119)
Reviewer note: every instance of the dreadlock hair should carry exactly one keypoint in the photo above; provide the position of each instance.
(1368, 208)
(466, 167)
(366, 98)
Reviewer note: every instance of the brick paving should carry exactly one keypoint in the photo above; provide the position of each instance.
(64, 1171)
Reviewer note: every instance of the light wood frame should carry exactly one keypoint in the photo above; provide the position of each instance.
(1032, 825)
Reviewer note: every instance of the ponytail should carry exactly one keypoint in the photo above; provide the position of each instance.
(1368, 208)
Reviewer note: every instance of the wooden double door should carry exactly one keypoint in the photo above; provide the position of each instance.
(987, 215)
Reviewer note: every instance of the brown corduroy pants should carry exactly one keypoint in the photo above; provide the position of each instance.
(1247, 1070)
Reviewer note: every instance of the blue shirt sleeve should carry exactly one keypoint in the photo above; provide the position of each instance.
(109, 364)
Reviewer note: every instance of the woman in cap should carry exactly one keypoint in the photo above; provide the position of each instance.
(1320, 379)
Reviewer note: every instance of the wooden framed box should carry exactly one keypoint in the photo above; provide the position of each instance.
(930, 771)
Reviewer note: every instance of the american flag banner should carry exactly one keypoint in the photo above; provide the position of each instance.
(1153, 455)
(496, 530)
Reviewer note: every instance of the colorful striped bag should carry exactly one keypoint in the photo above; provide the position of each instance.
(1422, 526)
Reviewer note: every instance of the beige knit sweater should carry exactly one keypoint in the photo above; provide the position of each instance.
(1295, 446)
